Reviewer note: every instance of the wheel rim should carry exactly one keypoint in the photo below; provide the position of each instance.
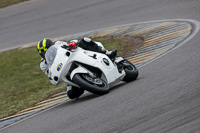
(94, 80)
(129, 66)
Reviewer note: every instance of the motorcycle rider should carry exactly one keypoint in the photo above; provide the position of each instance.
(85, 43)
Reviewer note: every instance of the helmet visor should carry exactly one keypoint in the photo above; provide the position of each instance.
(42, 55)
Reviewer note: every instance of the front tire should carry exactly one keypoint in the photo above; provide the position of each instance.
(93, 85)
(130, 70)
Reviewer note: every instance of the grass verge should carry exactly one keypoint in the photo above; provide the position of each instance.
(23, 84)
(5, 3)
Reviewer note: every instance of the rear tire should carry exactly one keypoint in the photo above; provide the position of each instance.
(130, 70)
(93, 85)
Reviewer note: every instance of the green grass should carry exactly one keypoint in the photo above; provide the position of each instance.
(23, 84)
(4, 3)
(112, 44)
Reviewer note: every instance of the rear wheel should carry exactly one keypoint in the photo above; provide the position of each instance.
(94, 85)
(130, 70)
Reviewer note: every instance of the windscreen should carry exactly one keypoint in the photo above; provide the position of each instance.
(50, 55)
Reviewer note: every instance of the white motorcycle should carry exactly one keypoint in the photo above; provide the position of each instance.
(91, 71)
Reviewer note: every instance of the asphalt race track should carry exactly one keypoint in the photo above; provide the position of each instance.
(164, 98)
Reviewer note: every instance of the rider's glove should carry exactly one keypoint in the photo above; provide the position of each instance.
(72, 45)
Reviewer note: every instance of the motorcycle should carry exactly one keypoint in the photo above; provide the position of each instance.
(91, 71)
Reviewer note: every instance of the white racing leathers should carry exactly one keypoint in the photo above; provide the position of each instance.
(43, 64)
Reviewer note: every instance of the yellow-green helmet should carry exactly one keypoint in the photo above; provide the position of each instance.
(43, 45)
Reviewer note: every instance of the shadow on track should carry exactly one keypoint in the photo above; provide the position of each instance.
(90, 96)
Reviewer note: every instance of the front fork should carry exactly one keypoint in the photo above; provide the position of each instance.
(119, 62)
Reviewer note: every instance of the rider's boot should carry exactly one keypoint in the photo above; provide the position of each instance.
(111, 54)
(74, 92)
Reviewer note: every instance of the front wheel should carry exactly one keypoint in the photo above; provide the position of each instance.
(130, 70)
(94, 85)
